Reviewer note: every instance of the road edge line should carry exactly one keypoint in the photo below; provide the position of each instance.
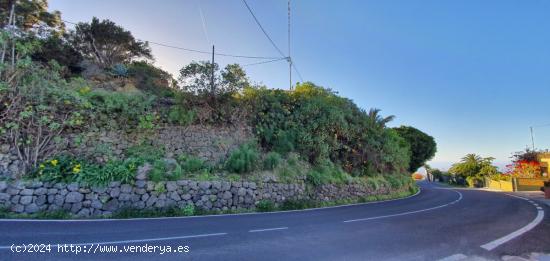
(535, 222)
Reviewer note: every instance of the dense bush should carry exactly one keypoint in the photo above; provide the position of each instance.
(322, 126)
(272, 160)
(243, 160)
(265, 205)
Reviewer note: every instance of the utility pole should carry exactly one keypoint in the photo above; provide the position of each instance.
(289, 59)
(532, 139)
(212, 75)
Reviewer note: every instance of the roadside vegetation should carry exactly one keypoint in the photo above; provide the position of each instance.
(473, 169)
(97, 76)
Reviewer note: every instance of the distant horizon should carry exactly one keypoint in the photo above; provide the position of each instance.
(474, 75)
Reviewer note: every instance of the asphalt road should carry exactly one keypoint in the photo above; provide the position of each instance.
(436, 223)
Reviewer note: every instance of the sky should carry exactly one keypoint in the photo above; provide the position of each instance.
(475, 75)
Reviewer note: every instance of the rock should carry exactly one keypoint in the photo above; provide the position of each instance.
(4, 197)
(96, 204)
(52, 191)
(241, 192)
(35, 184)
(216, 185)
(143, 171)
(76, 207)
(40, 191)
(99, 190)
(74, 197)
(59, 200)
(40, 200)
(25, 200)
(114, 192)
(114, 184)
(140, 183)
(124, 197)
(205, 185)
(174, 196)
(85, 212)
(72, 187)
(12, 191)
(26, 192)
(171, 186)
(227, 195)
(32, 208)
(3, 186)
(15, 199)
(126, 188)
(111, 206)
(182, 182)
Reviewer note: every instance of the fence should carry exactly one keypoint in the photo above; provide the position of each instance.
(516, 184)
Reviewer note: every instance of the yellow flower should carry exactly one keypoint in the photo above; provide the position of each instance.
(42, 166)
(76, 169)
(54, 162)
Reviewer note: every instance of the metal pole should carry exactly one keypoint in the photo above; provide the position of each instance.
(212, 73)
(289, 59)
(532, 139)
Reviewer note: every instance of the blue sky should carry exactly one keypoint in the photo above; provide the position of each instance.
(473, 74)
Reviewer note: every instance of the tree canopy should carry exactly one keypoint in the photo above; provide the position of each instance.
(29, 14)
(473, 165)
(196, 78)
(422, 145)
(107, 44)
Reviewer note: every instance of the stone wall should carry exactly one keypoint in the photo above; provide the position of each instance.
(34, 196)
(211, 143)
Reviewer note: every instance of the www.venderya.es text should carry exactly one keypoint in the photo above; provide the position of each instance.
(98, 249)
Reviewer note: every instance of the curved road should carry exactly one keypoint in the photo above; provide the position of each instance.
(436, 223)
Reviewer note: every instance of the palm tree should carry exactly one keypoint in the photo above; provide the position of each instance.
(376, 120)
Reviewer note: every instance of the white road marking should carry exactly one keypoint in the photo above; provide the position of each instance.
(138, 240)
(204, 216)
(495, 243)
(409, 212)
(454, 257)
(267, 229)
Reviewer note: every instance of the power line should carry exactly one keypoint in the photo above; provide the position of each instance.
(263, 30)
(199, 51)
(275, 60)
(298, 72)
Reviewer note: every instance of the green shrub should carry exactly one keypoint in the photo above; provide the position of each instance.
(145, 153)
(242, 160)
(265, 205)
(125, 110)
(272, 160)
(164, 169)
(178, 115)
(191, 164)
(188, 210)
(327, 172)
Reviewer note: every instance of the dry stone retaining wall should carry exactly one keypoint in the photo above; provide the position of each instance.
(211, 143)
(33, 196)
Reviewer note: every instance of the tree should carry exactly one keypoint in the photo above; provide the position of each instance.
(30, 14)
(58, 49)
(376, 120)
(422, 145)
(196, 78)
(473, 165)
(108, 44)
